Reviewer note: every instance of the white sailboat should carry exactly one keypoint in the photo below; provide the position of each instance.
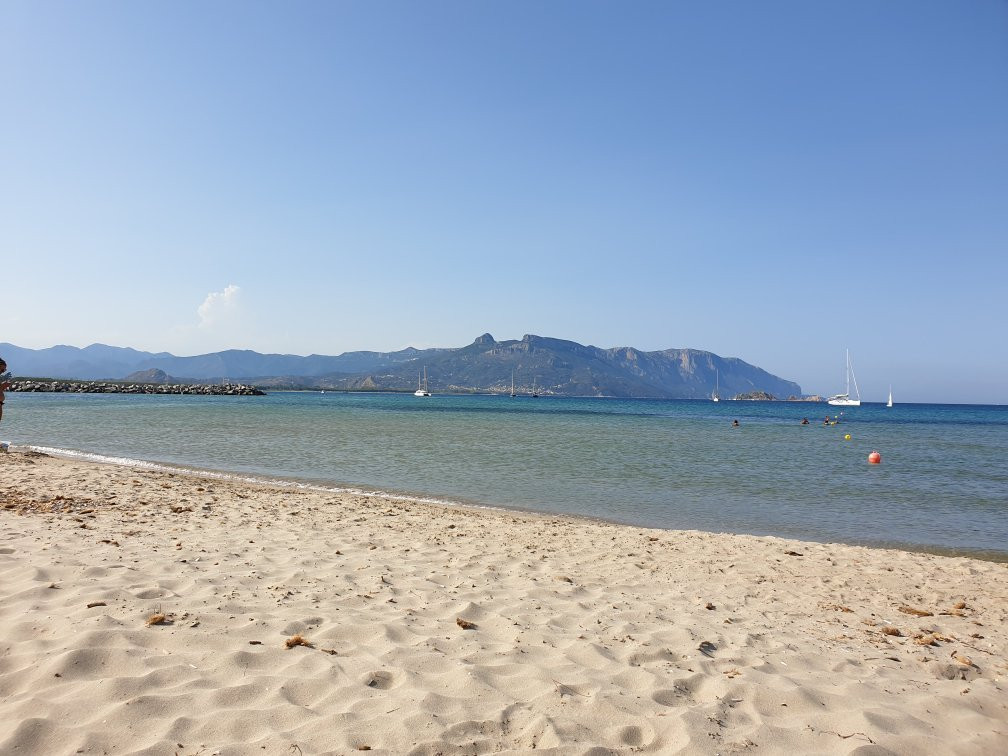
(513, 394)
(889, 403)
(421, 389)
(844, 399)
(715, 397)
(535, 393)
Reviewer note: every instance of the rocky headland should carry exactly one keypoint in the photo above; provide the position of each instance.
(755, 396)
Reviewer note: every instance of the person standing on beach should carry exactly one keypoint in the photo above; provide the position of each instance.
(4, 383)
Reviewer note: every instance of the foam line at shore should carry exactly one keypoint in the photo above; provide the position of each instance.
(279, 482)
(385, 495)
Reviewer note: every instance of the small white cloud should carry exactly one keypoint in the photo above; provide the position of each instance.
(219, 306)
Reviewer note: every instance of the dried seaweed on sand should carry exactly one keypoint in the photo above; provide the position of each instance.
(298, 640)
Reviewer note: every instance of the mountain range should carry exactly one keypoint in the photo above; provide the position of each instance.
(555, 366)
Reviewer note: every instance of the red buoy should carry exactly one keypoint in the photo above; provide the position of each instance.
(874, 458)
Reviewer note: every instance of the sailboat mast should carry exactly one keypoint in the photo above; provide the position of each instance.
(851, 372)
(848, 372)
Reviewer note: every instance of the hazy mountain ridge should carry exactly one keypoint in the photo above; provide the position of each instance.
(100, 361)
(556, 366)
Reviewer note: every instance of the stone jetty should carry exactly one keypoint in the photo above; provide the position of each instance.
(112, 387)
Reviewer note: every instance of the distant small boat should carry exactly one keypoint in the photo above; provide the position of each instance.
(422, 389)
(535, 394)
(844, 399)
(513, 394)
(715, 397)
(889, 403)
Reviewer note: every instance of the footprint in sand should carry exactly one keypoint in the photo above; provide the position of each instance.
(382, 680)
(636, 736)
(681, 694)
(151, 593)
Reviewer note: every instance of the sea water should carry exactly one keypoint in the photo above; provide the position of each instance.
(942, 484)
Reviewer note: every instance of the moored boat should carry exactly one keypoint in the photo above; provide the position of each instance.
(844, 399)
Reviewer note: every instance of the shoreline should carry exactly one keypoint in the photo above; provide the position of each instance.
(439, 629)
(988, 555)
(503, 393)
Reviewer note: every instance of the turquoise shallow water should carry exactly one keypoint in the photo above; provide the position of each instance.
(942, 484)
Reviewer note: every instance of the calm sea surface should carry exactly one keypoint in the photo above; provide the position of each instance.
(942, 484)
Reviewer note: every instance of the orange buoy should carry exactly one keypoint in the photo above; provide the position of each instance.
(874, 458)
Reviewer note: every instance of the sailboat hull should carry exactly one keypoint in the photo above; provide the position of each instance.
(844, 402)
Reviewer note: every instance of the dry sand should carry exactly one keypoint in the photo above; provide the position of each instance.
(587, 638)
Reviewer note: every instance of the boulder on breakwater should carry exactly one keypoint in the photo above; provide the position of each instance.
(111, 387)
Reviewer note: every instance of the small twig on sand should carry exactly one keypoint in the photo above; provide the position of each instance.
(842, 737)
(977, 648)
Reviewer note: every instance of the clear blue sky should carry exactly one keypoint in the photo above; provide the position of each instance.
(776, 181)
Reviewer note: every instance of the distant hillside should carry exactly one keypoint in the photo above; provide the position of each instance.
(93, 362)
(566, 368)
(556, 366)
(150, 376)
(99, 361)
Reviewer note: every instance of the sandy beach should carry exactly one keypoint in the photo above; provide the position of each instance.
(162, 612)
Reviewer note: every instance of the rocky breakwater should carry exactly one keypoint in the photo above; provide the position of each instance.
(111, 387)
